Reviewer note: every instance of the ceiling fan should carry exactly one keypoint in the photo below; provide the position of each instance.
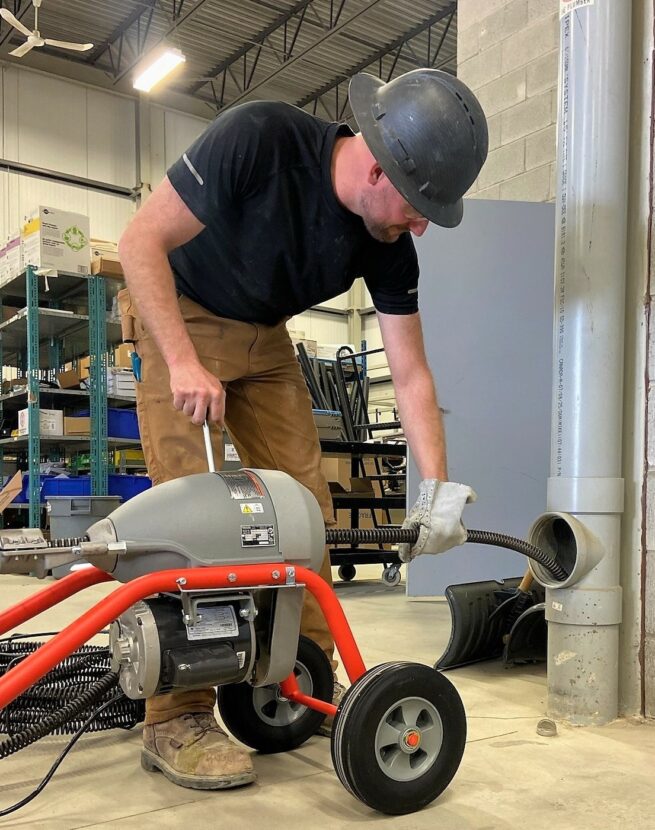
(34, 38)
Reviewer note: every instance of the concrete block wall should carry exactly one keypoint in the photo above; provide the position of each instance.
(507, 52)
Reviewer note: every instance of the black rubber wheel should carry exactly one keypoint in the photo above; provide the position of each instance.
(398, 737)
(347, 572)
(391, 576)
(261, 718)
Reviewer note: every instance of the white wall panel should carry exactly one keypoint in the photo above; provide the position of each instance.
(171, 133)
(377, 363)
(4, 202)
(52, 123)
(26, 192)
(324, 328)
(9, 112)
(111, 138)
(157, 145)
(343, 301)
(108, 215)
(20, 194)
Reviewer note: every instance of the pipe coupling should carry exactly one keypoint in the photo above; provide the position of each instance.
(572, 545)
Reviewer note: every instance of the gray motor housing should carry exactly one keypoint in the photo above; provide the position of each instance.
(212, 519)
(231, 518)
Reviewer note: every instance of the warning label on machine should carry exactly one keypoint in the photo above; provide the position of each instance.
(217, 621)
(256, 507)
(242, 486)
(257, 536)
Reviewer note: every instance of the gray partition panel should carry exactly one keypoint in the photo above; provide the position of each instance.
(486, 301)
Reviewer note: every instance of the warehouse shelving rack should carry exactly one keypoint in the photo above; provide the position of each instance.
(39, 339)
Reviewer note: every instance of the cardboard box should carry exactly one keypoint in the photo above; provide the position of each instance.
(122, 356)
(8, 312)
(13, 384)
(70, 379)
(310, 345)
(56, 240)
(129, 456)
(337, 471)
(51, 422)
(11, 489)
(77, 426)
(120, 382)
(100, 247)
(84, 367)
(14, 257)
(328, 351)
(106, 267)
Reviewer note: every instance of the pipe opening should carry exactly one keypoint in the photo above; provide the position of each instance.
(555, 536)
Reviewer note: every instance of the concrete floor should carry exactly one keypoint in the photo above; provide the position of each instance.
(510, 777)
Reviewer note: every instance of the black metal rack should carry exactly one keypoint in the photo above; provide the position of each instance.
(346, 558)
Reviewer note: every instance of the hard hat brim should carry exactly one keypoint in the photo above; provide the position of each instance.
(362, 96)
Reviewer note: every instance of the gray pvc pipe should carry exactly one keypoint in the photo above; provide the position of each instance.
(583, 618)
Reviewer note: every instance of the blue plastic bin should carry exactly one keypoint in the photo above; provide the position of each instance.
(127, 486)
(121, 423)
(53, 486)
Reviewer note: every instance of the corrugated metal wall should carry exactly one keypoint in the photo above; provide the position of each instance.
(70, 128)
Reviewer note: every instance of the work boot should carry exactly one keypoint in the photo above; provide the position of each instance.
(193, 751)
(325, 728)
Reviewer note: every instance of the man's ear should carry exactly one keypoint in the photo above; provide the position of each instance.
(375, 174)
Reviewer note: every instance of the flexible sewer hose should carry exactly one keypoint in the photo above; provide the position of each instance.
(397, 535)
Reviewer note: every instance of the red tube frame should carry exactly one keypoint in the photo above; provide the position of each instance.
(47, 656)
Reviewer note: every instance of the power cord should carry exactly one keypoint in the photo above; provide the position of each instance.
(117, 697)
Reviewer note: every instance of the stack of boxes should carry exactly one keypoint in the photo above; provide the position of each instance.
(56, 241)
(51, 240)
(104, 259)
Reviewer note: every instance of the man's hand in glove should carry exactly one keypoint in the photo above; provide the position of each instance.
(437, 515)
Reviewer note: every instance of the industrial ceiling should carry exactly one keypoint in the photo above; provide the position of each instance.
(302, 52)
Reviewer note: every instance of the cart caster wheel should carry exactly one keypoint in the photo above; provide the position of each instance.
(391, 576)
(262, 718)
(398, 737)
(347, 572)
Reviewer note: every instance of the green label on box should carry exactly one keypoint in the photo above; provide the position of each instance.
(75, 238)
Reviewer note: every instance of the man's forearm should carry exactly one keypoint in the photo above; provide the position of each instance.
(150, 281)
(423, 425)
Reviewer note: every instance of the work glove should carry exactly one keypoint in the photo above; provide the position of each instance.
(438, 516)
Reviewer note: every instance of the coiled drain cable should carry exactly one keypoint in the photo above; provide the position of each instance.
(398, 535)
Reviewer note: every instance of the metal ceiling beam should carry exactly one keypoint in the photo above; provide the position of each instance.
(99, 50)
(447, 11)
(179, 20)
(329, 34)
(360, 41)
(252, 43)
(19, 11)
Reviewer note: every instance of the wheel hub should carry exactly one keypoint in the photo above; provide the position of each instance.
(410, 741)
(408, 738)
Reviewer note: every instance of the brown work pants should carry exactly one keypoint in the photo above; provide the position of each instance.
(268, 415)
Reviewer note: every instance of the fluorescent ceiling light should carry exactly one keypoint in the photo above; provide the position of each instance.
(158, 69)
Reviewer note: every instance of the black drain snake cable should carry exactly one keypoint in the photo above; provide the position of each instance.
(398, 535)
(83, 701)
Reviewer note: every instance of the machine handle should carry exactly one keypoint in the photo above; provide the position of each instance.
(208, 447)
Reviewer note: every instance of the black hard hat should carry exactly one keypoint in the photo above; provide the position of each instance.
(428, 133)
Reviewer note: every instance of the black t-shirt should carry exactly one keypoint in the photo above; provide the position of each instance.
(276, 239)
